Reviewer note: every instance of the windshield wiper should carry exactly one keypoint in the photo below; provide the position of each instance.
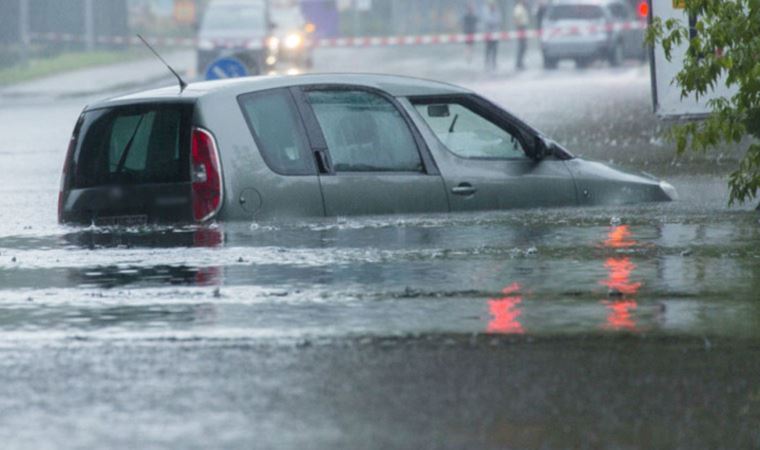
(128, 147)
(453, 123)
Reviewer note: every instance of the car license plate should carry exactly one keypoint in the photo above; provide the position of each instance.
(127, 221)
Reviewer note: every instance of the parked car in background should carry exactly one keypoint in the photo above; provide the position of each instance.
(320, 145)
(236, 28)
(589, 30)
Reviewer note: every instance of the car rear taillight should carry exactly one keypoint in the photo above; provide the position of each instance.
(206, 176)
(65, 175)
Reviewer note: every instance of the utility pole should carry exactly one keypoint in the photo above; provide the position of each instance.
(89, 25)
(23, 31)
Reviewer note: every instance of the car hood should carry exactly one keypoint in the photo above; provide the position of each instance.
(602, 184)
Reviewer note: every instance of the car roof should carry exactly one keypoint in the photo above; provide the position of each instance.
(394, 85)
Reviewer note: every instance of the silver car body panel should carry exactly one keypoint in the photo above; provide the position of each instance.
(253, 191)
(381, 193)
(600, 184)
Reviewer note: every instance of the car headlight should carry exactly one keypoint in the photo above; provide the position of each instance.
(273, 44)
(205, 44)
(669, 190)
(293, 41)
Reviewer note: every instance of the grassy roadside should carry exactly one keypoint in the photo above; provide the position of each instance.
(65, 62)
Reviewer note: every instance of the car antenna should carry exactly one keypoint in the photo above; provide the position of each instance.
(182, 84)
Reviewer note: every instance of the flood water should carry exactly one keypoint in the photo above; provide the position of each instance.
(680, 268)
(617, 327)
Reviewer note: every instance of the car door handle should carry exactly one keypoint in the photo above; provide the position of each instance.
(465, 189)
(323, 163)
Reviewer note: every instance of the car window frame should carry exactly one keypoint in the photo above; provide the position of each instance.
(312, 169)
(489, 111)
(319, 142)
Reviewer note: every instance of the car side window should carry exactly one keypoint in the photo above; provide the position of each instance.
(468, 134)
(364, 132)
(275, 125)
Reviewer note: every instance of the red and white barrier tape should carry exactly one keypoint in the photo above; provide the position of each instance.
(118, 40)
(437, 39)
(377, 41)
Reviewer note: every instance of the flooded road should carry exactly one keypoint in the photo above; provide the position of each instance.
(619, 327)
(664, 269)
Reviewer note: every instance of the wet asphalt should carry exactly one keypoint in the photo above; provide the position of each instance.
(618, 327)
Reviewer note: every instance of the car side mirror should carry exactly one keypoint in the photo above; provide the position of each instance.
(541, 149)
(546, 147)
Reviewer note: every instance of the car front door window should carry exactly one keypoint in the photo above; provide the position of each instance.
(468, 134)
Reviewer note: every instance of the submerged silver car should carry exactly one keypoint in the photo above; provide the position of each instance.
(320, 145)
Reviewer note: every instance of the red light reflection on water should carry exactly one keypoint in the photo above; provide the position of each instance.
(619, 276)
(618, 237)
(619, 317)
(505, 312)
(618, 282)
(208, 238)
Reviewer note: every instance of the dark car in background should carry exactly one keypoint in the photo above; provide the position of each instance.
(235, 28)
(320, 145)
(589, 30)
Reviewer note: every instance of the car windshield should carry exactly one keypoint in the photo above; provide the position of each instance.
(576, 12)
(466, 132)
(235, 16)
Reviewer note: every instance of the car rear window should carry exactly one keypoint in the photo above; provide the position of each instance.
(576, 12)
(144, 144)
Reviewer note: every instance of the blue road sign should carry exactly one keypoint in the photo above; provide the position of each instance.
(226, 68)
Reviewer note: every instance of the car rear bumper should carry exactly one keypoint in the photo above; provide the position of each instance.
(128, 205)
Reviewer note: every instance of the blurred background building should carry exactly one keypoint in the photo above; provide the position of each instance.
(46, 27)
